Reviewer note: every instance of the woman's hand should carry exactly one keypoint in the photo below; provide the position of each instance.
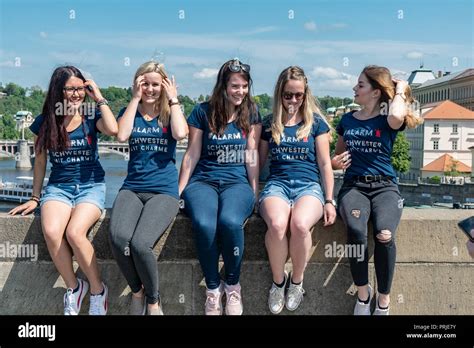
(401, 85)
(341, 161)
(25, 208)
(137, 87)
(170, 87)
(93, 90)
(329, 214)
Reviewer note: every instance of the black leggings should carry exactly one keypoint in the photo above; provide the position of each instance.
(381, 202)
(137, 222)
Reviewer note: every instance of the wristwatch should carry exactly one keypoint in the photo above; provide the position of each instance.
(331, 201)
(173, 101)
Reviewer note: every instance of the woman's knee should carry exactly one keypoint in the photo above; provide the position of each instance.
(300, 227)
(75, 235)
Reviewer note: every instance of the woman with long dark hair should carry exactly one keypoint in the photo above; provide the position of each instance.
(370, 190)
(219, 181)
(75, 195)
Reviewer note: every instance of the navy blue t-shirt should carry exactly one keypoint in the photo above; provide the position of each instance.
(151, 166)
(370, 143)
(79, 163)
(222, 156)
(294, 159)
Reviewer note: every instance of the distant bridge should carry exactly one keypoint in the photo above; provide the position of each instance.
(9, 148)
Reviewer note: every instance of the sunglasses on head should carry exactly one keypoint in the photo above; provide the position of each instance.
(289, 95)
(236, 66)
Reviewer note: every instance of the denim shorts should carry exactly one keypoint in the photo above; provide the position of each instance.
(291, 190)
(73, 194)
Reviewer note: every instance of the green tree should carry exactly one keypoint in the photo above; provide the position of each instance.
(400, 156)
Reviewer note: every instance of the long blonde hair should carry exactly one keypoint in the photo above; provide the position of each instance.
(308, 108)
(161, 105)
(380, 78)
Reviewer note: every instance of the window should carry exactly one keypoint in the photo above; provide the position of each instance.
(436, 128)
(455, 144)
(455, 128)
(435, 144)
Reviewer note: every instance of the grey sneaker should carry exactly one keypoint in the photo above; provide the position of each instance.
(137, 306)
(294, 296)
(361, 308)
(276, 297)
(378, 310)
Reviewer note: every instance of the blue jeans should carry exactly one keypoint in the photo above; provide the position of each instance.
(73, 194)
(218, 212)
(291, 190)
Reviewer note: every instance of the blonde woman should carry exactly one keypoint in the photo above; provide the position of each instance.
(148, 200)
(293, 197)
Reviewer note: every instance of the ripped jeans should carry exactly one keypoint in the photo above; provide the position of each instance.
(381, 202)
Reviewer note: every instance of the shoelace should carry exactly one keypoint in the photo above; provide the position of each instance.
(234, 298)
(212, 300)
(96, 303)
(295, 291)
(70, 300)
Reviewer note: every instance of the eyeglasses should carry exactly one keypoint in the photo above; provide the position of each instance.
(236, 66)
(289, 95)
(71, 90)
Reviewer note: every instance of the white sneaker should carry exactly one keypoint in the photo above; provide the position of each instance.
(378, 310)
(294, 296)
(276, 297)
(360, 307)
(73, 300)
(99, 303)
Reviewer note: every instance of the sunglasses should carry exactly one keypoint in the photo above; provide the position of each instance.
(236, 66)
(289, 95)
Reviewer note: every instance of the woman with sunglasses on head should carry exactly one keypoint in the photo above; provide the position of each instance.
(296, 134)
(147, 203)
(219, 181)
(75, 195)
(364, 148)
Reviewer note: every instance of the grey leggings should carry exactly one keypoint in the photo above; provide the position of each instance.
(137, 222)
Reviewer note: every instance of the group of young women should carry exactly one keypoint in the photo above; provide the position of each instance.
(218, 181)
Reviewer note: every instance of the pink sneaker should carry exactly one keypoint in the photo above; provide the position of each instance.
(234, 300)
(214, 301)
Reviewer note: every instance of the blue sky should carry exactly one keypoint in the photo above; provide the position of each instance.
(331, 40)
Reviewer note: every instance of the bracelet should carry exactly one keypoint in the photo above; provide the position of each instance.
(102, 102)
(175, 103)
(35, 196)
(35, 199)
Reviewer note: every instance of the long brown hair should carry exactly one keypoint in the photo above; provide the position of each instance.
(53, 134)
(218, 103)
(380, 78)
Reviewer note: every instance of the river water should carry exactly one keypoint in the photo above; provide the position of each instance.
(115, 167)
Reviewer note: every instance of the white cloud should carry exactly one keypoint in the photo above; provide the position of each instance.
(311, 26)
(43, 34)
(414, 55)
(206, 73)
(259, 30)
(331, 79)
